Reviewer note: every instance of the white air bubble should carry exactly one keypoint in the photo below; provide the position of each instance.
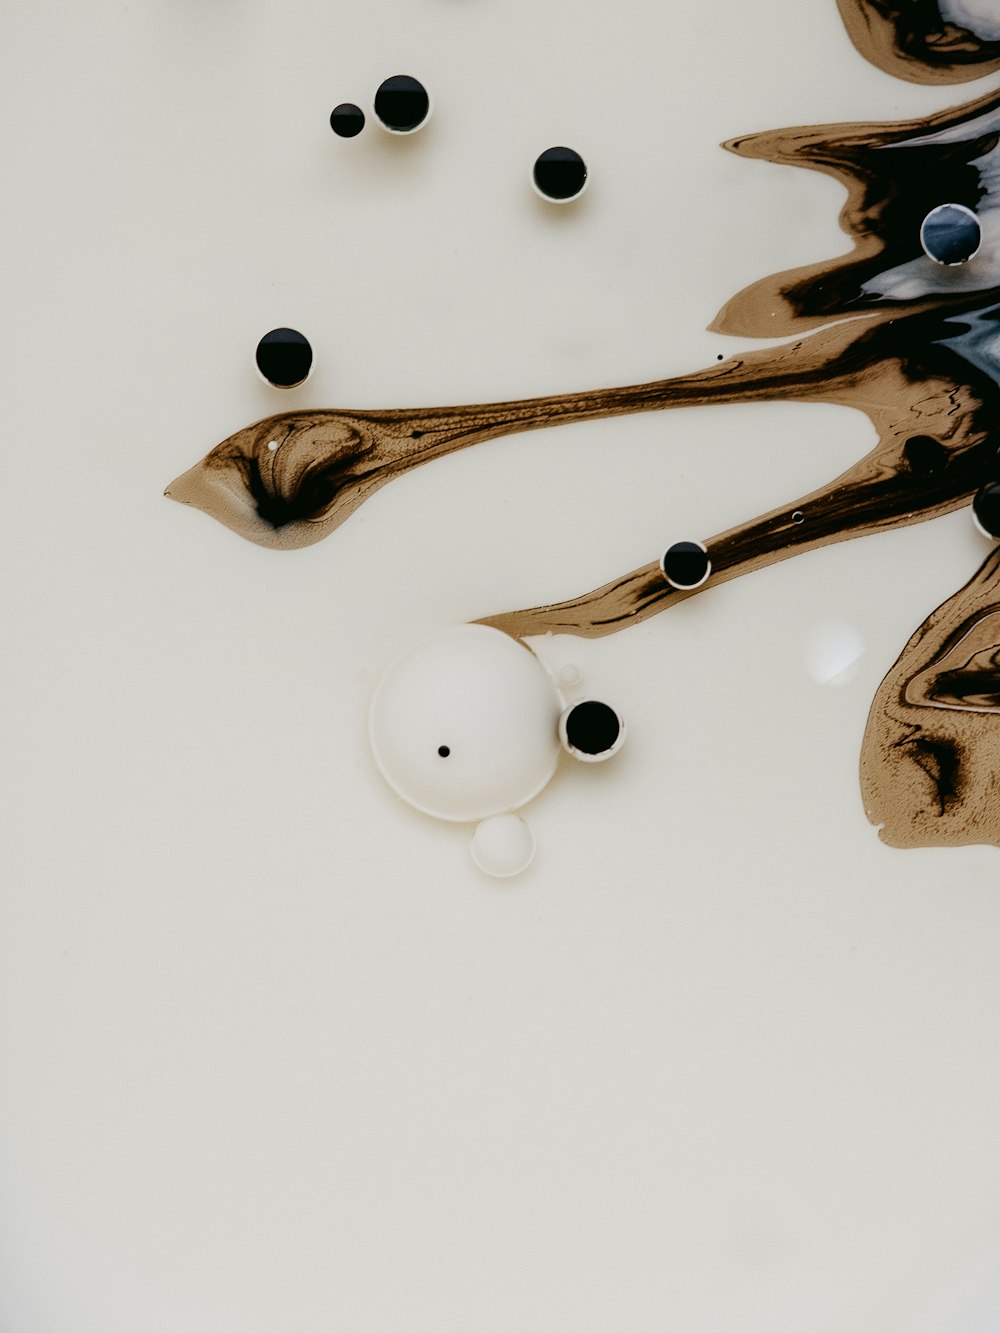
(503, 846)
(465, 725)
(272, 445)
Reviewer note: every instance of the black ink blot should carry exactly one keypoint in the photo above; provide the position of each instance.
(560, 173)
(347, 120)
(284, 357)
(402, 103)
(925, 456)
(986, 508)
(592, 728)
(444, 751)
(686, 565)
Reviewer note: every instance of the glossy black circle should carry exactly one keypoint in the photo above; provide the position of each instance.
(592, 728)
(951, 234)
(444, 751)
(986, 509)
(560, 173)
(925, 456)
(402, 103)
(686, 565)
(284, 358)
(347, 120)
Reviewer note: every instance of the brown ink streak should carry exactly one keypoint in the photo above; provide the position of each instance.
(912, 40)
(930, 759)
(916, 392)
(894, 175)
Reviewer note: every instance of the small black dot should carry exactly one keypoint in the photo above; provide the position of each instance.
(686, 565)
(592, 728)
(347, 120)
(284, 357)
(924, 456)
(444, 751)
(402, 103)
(560, 173)
(951, 234)
(798, 516)
(986, 508)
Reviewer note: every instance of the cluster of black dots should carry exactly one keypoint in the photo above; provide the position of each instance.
(402, 105)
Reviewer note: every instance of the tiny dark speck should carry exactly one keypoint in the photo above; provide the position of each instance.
(444, 751)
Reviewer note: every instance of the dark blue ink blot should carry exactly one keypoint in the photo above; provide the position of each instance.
(951, 234)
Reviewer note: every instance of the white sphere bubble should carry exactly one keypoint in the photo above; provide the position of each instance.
(465, 724)
(503, 846)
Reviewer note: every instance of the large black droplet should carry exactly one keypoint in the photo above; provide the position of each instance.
(686, 565)
(347, 120)
(986, 509)
(284, 357)
(951, 234)
(560, 173)
(402, 103)
(592, 728)
(924, 455)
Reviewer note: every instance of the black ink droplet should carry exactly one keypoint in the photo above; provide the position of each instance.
(284, 358)
(591, 729)
(444, 751)
(560, 173)
(402, 103)
(951, 234)
(347, 120)
(686, 565)
(924, 455)
(986, 509)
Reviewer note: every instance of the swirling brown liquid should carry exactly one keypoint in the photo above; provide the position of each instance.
(913, 345)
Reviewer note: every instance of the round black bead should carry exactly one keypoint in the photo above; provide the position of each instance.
(402, 103)
(925, 456)
(951, 234)
(560, 173)
(444, 751)
(592, 728)
(686, 565)
(284, 357)
(986, 509)
(347, 120)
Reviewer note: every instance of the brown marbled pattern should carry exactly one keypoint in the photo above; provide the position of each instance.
(930, 760)
(911, 40)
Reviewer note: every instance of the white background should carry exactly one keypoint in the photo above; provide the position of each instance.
(272, 1053)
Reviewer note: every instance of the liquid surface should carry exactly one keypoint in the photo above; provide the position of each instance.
(913, 344)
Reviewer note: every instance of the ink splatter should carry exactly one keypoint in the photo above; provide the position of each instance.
(913, 344)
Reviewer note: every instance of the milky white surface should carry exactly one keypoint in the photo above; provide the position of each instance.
(273, 1053)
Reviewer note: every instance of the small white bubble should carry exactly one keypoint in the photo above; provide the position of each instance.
(272, 445)
(569, 675)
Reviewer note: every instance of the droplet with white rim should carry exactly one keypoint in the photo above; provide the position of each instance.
(503, 846)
